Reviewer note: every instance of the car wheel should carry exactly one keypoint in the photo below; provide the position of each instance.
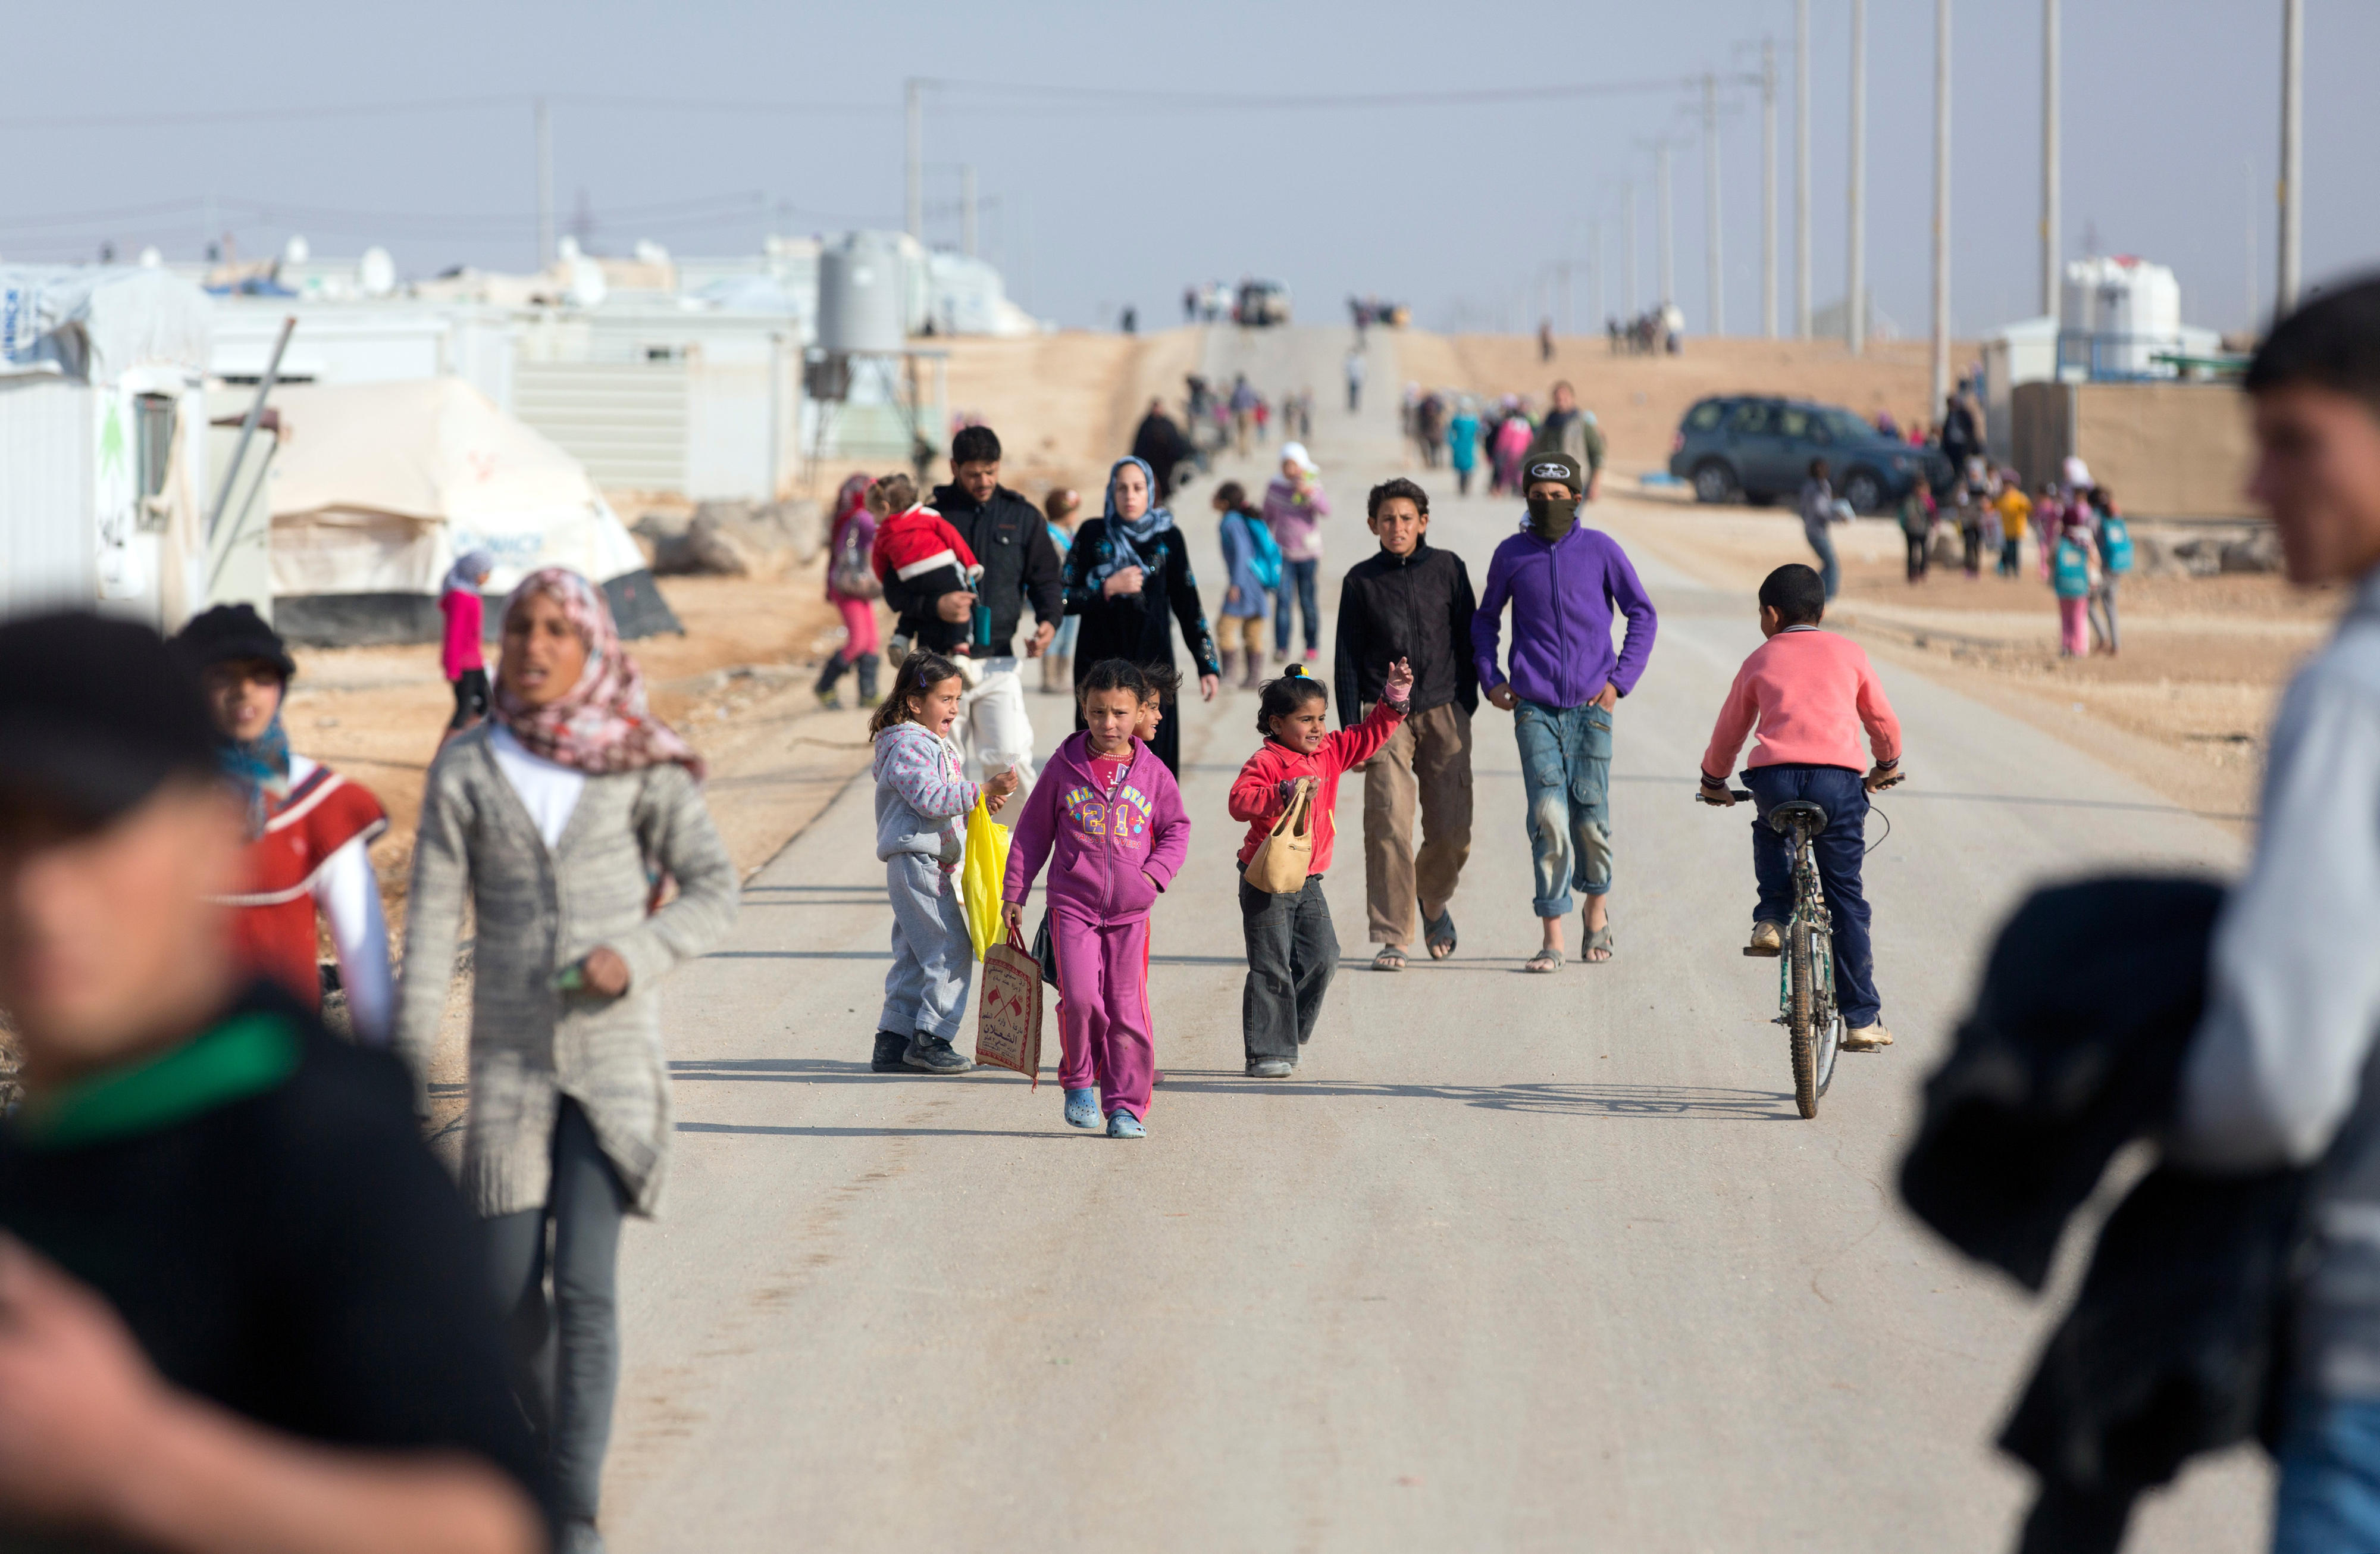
(1863, 491)
(1714, 482)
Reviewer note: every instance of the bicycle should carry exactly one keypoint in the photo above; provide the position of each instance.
(1805, 974)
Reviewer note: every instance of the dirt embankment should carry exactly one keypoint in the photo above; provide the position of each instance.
(1638, 400)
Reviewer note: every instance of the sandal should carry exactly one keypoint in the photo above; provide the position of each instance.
(1599, 938)
(1543, 961)
(1439, 935)
(1389, 958)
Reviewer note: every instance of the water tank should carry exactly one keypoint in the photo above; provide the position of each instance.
(2129, 307)
(861, 294)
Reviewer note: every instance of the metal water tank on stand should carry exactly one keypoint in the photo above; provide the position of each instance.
(861, 296)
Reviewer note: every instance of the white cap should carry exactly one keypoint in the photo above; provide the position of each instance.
(1294, 453)
(2078, 474)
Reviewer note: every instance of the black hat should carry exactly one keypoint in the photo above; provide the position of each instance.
(230, 633)
(1556, 466)
(95, 713)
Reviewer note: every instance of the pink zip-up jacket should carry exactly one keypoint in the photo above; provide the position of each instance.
(1108, 859)
(1810, 692)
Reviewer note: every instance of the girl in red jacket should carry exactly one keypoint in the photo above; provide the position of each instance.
(1293, 949)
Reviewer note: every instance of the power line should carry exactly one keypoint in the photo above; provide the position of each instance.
(1058, 98)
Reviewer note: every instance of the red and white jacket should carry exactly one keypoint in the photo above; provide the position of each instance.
(314, 855)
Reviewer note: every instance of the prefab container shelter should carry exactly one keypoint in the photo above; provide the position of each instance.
(103, 441)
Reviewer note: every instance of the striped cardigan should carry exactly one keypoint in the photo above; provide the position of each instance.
(538, 910)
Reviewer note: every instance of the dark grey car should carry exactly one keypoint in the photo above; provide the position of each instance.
(1757, 447)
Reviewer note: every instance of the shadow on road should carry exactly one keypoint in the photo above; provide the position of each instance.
(1703, 1103)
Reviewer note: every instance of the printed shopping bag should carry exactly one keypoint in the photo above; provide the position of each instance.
(983, 875)
(1281, 859)
(1008, 1016)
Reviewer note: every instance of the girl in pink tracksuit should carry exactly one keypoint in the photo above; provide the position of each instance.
(1107, 818)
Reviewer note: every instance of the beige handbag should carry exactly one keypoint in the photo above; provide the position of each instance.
(1284, 857)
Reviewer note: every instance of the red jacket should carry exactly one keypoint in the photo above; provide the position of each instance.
(1255, 792)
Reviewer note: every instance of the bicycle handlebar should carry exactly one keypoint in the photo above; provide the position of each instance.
(1741, 795)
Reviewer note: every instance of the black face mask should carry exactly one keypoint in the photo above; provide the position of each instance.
(1553, 517)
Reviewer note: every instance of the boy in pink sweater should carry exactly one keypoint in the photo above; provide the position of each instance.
(1809, 692)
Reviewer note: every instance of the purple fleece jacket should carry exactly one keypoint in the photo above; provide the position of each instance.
(1106, 860)
(1563, 594)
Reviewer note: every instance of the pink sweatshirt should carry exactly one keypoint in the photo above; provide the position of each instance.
(1809, 691)
(461, 651)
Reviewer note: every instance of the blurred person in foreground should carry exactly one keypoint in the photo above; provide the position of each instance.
(241, 1307)
(2277, 1073)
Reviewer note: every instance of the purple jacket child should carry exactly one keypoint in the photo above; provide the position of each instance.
(1563, 594)
(1110, 851)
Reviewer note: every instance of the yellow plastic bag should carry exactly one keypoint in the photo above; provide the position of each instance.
(981, 876)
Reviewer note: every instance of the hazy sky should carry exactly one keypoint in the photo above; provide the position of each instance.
(1097, 194)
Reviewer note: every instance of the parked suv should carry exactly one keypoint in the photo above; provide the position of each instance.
(1757, 448)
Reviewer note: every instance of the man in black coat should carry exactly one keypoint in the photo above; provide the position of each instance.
(1160, 442)
(1011, 538)
(1412, 600)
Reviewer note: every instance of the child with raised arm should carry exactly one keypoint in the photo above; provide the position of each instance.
(1106, 816)
(1293, 949)
(1809, 692)
(922, 799)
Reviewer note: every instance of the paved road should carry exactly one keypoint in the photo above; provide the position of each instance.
(1513, 1262)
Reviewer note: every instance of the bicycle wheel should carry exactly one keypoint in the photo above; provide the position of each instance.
(1801, 1016)
(1826, 1014)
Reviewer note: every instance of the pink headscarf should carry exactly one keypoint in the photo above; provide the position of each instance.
(603, 724)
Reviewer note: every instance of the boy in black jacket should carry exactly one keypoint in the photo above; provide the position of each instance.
(1414, 602)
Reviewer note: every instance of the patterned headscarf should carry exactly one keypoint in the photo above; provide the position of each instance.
(469, 571)
(603, 724)
(257, 767)
(1135, 538)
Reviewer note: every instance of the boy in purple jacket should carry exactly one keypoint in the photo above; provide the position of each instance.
(1108, 819)
(1563, 582)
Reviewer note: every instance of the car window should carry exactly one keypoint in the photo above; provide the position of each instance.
(1704, 416)
(1750, 418)
(1800, 425)
(1848, 427)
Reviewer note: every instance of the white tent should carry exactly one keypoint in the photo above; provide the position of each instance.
(378, 487)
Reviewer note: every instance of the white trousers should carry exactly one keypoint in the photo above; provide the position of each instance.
(994, 730)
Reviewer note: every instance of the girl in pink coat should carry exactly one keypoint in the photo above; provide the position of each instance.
(1108, 819)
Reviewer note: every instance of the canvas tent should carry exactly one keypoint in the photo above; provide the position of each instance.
(378, 487)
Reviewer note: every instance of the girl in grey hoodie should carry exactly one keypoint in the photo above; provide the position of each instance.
(922, 803)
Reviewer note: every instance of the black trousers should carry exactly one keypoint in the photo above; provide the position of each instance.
(1292, 953)
(470, 698)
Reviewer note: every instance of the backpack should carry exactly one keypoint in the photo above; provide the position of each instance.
(2069, 569)
(1264, 553)
(2115, 544)
(852, 573)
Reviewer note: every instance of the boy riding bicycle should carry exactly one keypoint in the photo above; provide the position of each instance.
(1808, 691)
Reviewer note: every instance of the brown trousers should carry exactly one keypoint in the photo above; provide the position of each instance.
(1428, 757)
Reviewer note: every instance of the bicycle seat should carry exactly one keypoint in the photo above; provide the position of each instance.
(1782, 818)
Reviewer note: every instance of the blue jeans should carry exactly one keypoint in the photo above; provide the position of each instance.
(2328, 1501)
(1297, 582)
(1839, 850)
(1566, 767)
(1830, 571)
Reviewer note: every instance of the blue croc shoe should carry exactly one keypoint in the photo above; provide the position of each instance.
(1122, 1124)
(1082, 1109)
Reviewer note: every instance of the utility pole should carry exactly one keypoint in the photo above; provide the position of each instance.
(966, 209)
(1801, 169)
(1710, 203)
(2049, 157)
(915, 165)
(1768, 188)
(1628, 241)
(544, 185)
(1854, 291)
(1941, 201)
(2248, 174)
(1661, 220)
(2287, 257)
(1594, 238)
(1569, 313)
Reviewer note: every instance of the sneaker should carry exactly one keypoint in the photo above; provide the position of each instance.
(1768, 939)
(1314, 656)
(935, 1055)
(830, 700)
(1082, 1109)
(890, 1045)
(1867, 1038)
(1270, 1068)
(1122, 1124)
